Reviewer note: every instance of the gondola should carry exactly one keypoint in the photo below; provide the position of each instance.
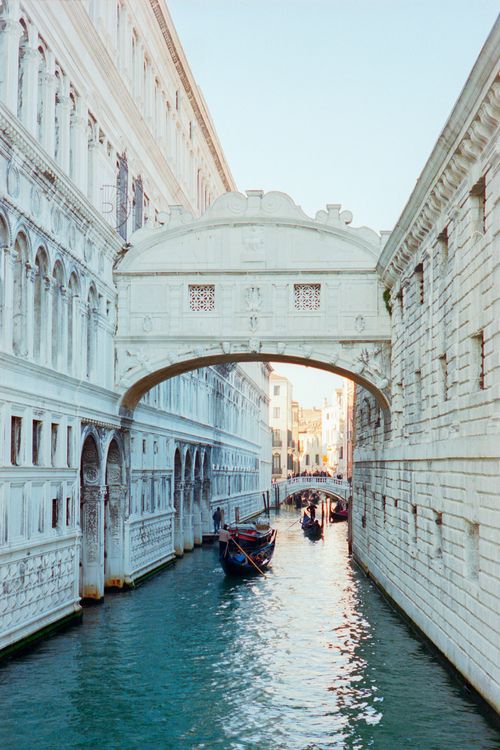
(311, 528)
(338, 514)
(248, 551)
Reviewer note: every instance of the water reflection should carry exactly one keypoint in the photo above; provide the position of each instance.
(308, 657)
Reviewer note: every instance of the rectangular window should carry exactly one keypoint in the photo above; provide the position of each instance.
(478, 206)
(69, 446)
(55, 512)
(54, 429)
(317, 459)
(306, 296)
(443, 367)
(443, 248)
(472, 550)
(16, 424)
(276, 390)
(201, 297)
(341, 452)
(418, 391)
(276, 412)
(419, 277)
(307, 460)
(36, 442)
(478, 360)
(68, 511)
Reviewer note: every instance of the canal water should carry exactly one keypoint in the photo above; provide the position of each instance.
(310, 657)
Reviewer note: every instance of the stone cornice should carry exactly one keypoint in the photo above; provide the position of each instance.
(470, 126)
(189, 85)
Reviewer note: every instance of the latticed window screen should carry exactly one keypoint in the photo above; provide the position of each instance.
(201, 297)
(306, 296)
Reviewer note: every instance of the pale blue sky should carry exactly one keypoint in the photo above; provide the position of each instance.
(330, 101)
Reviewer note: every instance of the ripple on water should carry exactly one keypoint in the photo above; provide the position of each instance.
(309, 658)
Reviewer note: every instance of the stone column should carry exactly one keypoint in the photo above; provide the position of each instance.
(114, 544)
(30, 62)
(197, 522)
(78, 124)
(9, 47)
(206, 520)
(48, 130)
(7, 260)
(62, 352)
(93, 168)
(92, 551)
(46, 350)
(63, 109)
(178, 519)
(188, 516)
(30, 308)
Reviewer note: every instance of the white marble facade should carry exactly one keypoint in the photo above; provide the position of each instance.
(100, 131)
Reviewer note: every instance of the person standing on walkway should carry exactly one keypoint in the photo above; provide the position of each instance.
(217, 518)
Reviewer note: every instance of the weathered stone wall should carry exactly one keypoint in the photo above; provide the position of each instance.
(426, 486)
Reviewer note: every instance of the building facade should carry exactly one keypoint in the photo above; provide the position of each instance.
(103, 131)
(281, 420)
(426, 477)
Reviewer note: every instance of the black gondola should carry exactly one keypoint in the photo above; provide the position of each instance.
(248, 551)
(311, 528)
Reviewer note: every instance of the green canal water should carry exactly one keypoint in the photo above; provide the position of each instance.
(311, 657)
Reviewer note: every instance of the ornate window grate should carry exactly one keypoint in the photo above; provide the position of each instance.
(201, 297)
(306, 296)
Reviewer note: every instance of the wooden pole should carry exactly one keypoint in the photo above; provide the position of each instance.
(249, 558)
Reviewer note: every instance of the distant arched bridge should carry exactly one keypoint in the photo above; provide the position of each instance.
(330, 486)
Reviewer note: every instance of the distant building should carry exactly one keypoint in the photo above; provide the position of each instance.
(337, 429)
(310, 437)
(281, 421)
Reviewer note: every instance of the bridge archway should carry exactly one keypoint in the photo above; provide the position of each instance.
(254, 278)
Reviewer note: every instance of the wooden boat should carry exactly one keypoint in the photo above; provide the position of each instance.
(339, 513)
(249, 550)
(311, 529)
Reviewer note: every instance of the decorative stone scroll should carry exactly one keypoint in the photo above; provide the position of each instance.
(306, 296)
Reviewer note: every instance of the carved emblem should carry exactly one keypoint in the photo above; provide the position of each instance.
(13, 181)
(147, 324)
(254, 322)
(253, 238)
(360, 323)
(253, 298)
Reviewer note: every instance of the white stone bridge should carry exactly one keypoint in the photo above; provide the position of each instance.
(329, 485)
(253, 279)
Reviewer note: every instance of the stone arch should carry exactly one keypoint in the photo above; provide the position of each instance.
(115, 502)
(92, 495)
(21, 258)
(40, 304)
(188, 500)
(148, 374)
(178, 502)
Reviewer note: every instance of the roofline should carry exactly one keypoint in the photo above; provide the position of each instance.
(467, 102)
(196, 99)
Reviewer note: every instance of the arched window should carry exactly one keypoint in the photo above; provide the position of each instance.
(41, 104)
(73, 294)
(72, 136)
(40, 306)
(4, 241)
(19, 346)
(91, 330)
(21, 71)
(58, 317)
